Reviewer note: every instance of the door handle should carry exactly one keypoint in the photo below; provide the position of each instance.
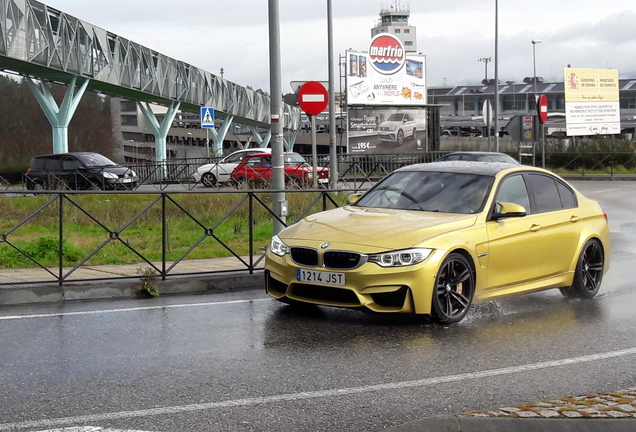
(535, 227)
(574, 218)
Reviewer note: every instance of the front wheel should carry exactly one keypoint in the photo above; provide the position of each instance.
(589, 272)
(454, 289)
(208, 180)
(400, 137)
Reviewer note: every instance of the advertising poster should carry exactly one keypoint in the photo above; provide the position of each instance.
(385, 75)
(386, 130)
(385, 86)
(591, 101)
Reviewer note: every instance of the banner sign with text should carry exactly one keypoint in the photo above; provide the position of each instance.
(591, 101)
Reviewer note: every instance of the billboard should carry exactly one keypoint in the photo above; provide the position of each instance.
(386, 130)
(591, 101)
(385, 75)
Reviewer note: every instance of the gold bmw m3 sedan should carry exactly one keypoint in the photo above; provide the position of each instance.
(434, 238)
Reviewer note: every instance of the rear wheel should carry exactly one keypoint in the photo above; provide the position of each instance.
(589, 272)
(208, 180)
(454, 289)
(293, 182)
(241, 182)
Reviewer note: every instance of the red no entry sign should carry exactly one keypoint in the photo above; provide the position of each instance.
(542, 110)
(313, 97)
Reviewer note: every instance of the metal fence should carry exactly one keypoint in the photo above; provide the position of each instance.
(355, 170)
(41, 232)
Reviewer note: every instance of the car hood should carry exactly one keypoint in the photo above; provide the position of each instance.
(378, 229)
(390, 123)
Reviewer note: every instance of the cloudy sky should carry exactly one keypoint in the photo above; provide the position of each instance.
(453, 34)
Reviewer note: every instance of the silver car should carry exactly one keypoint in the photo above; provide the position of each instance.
(397, 127)
(210, 175)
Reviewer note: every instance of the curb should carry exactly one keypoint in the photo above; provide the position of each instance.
(112, 289)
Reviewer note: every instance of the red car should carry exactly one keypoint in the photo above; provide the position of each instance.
(256, 169)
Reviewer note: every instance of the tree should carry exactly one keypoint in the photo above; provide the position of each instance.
(25, 131)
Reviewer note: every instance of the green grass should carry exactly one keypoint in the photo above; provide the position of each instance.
(113, 229)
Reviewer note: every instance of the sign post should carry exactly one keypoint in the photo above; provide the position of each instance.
(313, 99)
(207, 123)
(542, 114)
(486, 111)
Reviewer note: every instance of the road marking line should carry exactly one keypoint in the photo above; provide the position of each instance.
(292, 397)
(63, 314)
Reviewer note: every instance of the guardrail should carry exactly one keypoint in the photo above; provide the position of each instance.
(358, 170)
(50, 220)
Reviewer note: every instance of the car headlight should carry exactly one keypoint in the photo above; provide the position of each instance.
(400, 258)
(109, 175)
(277, 247)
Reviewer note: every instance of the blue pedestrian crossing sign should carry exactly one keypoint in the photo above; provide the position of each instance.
(207, 117)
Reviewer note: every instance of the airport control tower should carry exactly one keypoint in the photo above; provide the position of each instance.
(395, 20)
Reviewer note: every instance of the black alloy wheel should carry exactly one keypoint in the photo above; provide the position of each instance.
(589, 272)
(454, 289)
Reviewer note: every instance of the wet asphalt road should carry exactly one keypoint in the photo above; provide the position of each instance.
(243, 362)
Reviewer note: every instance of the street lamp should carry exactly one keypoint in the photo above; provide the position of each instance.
(534, 66)
(486, 60)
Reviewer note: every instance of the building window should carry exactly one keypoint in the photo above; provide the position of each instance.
(408, 43)
(407, 31)
(128, 105)
(397, 30)
(129, 120)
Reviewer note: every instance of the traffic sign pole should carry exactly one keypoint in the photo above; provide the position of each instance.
(313, 99)
(542, 114)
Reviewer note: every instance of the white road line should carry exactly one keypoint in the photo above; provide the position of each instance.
(292, 397)
(90, 429)
(105, 311)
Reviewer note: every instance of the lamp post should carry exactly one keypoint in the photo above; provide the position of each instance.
(486, 60)
(534, 67)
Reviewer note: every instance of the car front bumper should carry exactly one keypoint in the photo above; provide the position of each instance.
(389, 290)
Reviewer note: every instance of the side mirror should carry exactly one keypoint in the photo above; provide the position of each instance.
(353, 198)
(508, 210)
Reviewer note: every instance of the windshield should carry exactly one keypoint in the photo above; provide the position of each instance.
(294, 159)
(95, 159)
(395, 117)
(430, 191)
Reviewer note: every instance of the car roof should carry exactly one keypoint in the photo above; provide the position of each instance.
(466, 167)
(476, 153)
(67, 154)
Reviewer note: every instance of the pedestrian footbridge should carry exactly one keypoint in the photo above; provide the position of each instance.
(47, 45)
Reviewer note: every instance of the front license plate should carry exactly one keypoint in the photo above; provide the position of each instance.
(321, 277)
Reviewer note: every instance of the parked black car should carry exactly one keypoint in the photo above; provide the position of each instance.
(78, 170)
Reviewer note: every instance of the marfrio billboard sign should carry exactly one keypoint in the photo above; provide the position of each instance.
(385, 75)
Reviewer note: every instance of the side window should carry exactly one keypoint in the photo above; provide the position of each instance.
(513, 190)
(568, 198)
(545, 193)
(253, 162)
(70, 164)
(235, 158)
(53, 164)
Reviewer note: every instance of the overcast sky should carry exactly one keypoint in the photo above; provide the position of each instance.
(453, 34)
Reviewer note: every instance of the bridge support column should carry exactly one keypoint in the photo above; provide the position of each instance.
(160, 130)
(219, 136)
(261, 141)
(61, 116)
